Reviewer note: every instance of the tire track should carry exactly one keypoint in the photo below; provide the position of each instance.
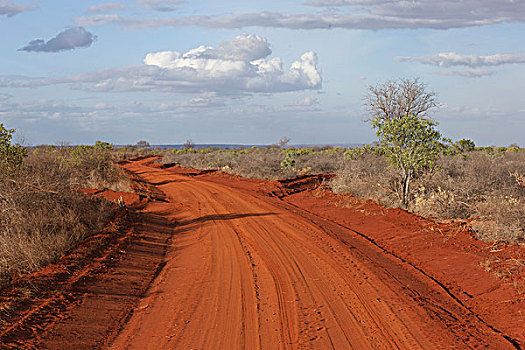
(259, 275)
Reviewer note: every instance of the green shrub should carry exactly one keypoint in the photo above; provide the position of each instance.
(11, 156)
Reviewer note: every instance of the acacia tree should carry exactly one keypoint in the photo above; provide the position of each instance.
(142, 144)
(396, 99)
(411, 144)
(189, 144)
(399, 113)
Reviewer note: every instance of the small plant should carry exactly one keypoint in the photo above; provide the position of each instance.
(289, 160)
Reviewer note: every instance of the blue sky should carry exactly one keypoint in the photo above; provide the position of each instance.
(252, 72)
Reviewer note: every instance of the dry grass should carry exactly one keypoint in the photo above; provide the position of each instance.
(261, 163)
(371, 177)
(42, 216)
(486, 187)
(483, 187)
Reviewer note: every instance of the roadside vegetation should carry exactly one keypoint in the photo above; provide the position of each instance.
(42, 214)
(269, 163)
(483, 185)
(410, 166)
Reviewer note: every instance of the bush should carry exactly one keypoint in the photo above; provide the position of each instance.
(369, 176)
(489, 190)
(11, 156)
(41, 217)
(268, 163)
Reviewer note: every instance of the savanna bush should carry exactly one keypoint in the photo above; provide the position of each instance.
(478, 185)
(41, 215)
(261, 162)
(11, 156)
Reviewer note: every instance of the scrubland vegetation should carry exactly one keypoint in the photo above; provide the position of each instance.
(483, 185)
(42, 214)
(411, 165)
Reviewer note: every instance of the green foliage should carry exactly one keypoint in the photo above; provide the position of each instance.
(358, 152)
(465, 145)
(92, 157)
(411, 144)
(514, 149)
(103, 146)
(297, 151)
(333, 150)
(184, 150)
(492, 150)
(11, 156)
(289, 160)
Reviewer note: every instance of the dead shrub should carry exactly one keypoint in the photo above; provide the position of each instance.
(479, 186)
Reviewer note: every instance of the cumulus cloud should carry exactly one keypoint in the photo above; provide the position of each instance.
(244, 48)
(237, 66)
(449, 59)
(362, 14)
(10, 8)
(69, 39)
(105, 7)
(241, 65)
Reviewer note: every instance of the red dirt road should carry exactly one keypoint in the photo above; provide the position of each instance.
(238, 269)
(245, 272)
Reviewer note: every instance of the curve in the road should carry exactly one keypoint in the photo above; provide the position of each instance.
(247, 272)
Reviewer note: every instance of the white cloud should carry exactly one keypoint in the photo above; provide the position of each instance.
(40, 109)
(473, 113)
(308, 104)
(5, 97)
(449, 59)
(467, 73)
(230, 55)
(69, 39)
(238, 66)
(241, 64)
(372, 14)
(10, 8)
(105, 7)
(161, 5)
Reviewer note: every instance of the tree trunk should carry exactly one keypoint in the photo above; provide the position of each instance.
(405, 189)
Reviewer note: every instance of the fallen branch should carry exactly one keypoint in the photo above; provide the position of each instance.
(33, 186)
